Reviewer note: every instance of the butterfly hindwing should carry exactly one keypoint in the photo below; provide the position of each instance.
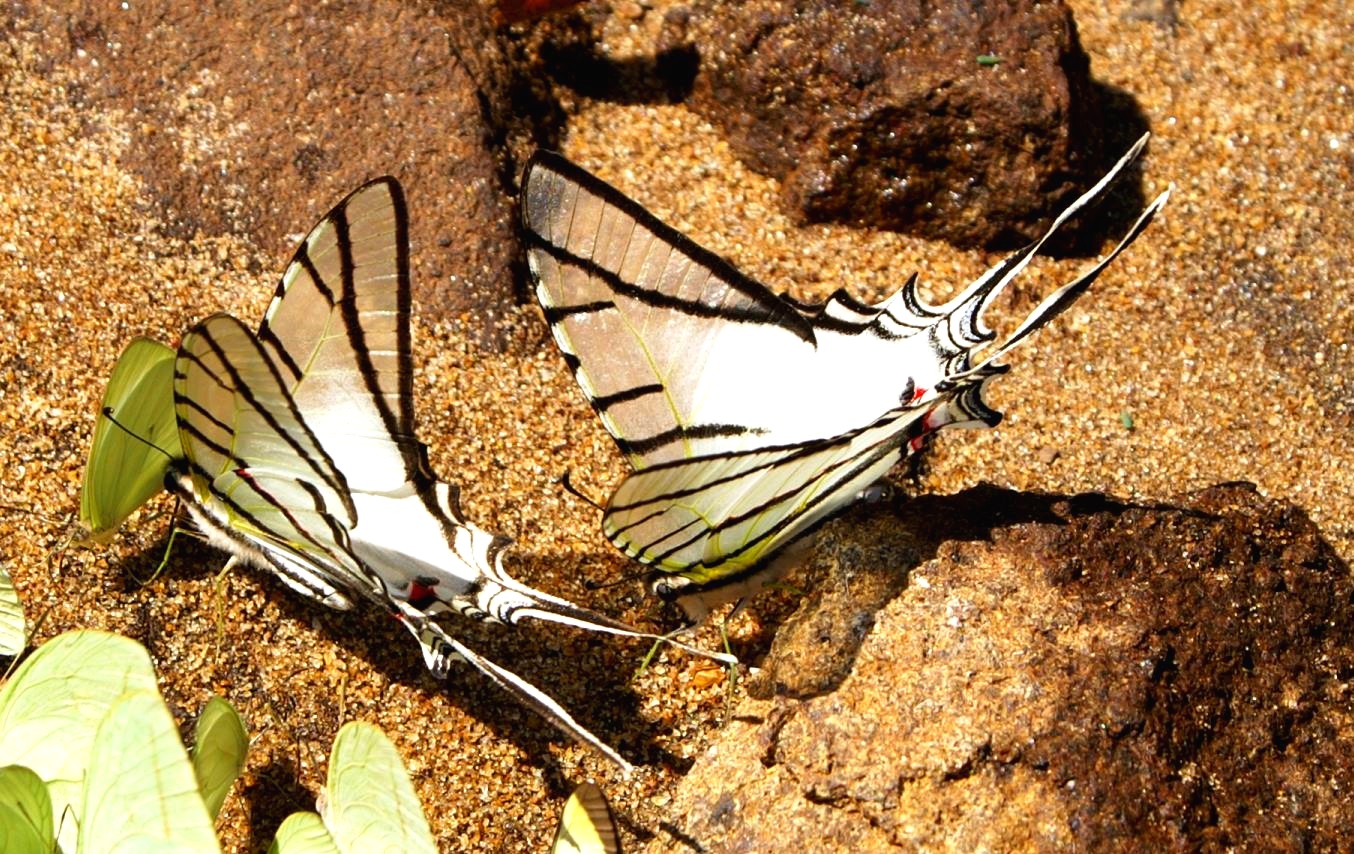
(254, 464)
(719, 516)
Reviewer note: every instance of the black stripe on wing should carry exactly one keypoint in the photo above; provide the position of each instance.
(555, 313)
(399, 425)
(606, 401)
(841, 474)
(323, 467)
(680, 433)
(657, 299)
(769, 307)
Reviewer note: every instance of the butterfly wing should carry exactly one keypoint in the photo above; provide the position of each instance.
(708, 519)
(255, 470)
(220, 747)
(13, 626)
(128, 460)
(662, 335)
(369, 803)
(586, 825)
(139, 791)
(338, 330)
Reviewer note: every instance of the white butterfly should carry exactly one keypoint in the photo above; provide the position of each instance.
(300, 454)
(750, 419)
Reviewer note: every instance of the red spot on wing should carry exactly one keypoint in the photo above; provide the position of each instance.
(422, 593)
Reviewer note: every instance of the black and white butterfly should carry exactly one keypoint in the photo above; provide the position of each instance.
(750, 419)
(300, 454)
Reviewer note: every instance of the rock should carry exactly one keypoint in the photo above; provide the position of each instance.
(1086, 674)
(258, 123)
(968, 122)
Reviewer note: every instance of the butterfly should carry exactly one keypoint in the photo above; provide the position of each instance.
(128, 460)
(299, 452)
(750, 419)
(586, 826)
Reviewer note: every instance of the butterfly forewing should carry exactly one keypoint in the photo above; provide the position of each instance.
(338, 329)
(679, 329)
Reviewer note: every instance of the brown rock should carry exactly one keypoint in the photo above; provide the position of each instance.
(1096, 675)
(882, 113)
(256, 119)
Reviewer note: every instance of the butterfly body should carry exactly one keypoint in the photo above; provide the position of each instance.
(749, 419)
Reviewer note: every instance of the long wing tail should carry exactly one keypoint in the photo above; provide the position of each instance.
(440, 648)
(508, 600)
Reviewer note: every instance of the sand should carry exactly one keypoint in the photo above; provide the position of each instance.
(1222, 337)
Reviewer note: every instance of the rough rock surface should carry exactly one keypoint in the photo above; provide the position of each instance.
(249, 119)
(881, 113)
(1096, 672)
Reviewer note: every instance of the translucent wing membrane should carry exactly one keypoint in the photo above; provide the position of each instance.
(751, 419)
(338, 328)
(648, 321)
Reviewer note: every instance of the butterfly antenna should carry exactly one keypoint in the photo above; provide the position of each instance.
(589, 584)
(573, 490)
(108, 413)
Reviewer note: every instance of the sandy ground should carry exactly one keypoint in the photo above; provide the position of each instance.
(1222, 337)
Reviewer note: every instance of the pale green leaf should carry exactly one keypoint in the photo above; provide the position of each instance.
(220, 745)
(140, 793)
(25, 812)
(303, 833)
(370, 804)
(13, 630)
(54, 702)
